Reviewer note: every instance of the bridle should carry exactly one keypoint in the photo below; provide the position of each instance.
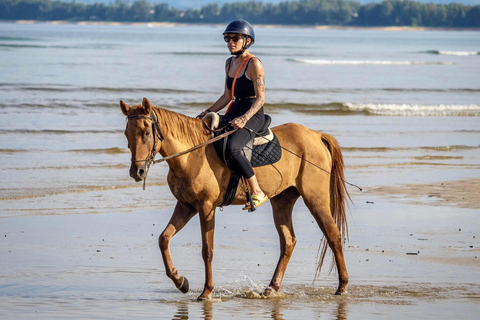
(157, 136)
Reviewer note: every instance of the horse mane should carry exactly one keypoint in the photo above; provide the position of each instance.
(181, 127)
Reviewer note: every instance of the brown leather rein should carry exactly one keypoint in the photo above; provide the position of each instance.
(157, 134)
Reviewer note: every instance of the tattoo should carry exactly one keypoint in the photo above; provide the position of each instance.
(254, 108)
(260, 82)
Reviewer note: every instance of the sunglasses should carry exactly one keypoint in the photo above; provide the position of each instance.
(234, 38)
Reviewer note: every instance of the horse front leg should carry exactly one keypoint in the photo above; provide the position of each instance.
(181, 215)
(207, 222)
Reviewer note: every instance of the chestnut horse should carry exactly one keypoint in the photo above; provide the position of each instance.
(199, 179)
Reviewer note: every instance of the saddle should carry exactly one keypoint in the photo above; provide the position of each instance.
(262, 150)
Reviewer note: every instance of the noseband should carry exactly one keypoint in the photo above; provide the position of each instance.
(157, 135)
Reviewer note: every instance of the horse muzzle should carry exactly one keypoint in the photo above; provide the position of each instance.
(138, 172)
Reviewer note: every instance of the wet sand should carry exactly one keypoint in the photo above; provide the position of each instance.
(457, 193)
(415, 262)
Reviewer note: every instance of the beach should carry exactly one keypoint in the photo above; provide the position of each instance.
(418, 261)
(79, 237)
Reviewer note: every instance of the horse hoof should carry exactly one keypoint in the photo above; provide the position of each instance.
(204, 297)
(184, 286)
(341, 292)
(269, 291)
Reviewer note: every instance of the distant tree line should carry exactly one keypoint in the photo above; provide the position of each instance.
(303, 12)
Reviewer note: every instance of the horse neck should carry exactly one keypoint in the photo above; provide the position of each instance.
(181, 132)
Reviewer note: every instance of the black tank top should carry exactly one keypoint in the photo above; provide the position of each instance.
(243, 86)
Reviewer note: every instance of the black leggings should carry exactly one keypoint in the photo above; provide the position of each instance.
(235, 157)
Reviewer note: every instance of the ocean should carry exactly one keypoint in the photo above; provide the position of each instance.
(404, 105)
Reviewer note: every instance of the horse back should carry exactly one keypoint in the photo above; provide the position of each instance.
(301, 141)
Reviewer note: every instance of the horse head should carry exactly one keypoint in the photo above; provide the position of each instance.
(143, 134)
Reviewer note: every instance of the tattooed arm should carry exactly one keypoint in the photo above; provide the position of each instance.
(255, 71)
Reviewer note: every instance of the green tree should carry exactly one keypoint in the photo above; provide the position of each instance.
(141, 11)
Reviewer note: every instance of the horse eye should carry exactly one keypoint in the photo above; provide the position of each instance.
(147, 133)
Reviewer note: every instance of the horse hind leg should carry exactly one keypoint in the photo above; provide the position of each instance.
(282, 206)
(320, 210)
(181, 215)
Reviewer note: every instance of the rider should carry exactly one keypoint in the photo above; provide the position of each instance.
(247, 109)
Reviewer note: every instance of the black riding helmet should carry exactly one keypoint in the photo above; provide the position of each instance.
(241, 27)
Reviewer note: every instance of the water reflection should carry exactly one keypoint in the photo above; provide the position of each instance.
(281, 309)
(342, 311)
(207, 310)
(277, 310)
(182, 312)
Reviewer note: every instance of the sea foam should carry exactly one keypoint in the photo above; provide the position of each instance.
(369, 62)
(415, 109)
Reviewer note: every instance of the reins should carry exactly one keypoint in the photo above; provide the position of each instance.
(210, 141)
(158, 133)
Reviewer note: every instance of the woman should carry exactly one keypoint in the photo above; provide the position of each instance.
(247, 109)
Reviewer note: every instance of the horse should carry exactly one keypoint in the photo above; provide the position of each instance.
(198, 180)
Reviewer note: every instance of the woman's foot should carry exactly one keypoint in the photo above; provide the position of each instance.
(258, 200)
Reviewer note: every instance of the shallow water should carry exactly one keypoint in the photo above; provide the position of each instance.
(78, 237)
(108, 266)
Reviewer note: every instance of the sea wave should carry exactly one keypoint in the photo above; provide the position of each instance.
(114, 150)
(46, 46)
(368, 62)
(415, 109)
(375, 90)
(189, 53)
(56, 132)
(60, 88)
(454, 53)
(5, 38)
(381, 109)
(423, 148)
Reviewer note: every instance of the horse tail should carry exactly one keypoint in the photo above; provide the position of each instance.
(338, 197)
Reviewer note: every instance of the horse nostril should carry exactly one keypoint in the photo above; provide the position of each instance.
(141, 172)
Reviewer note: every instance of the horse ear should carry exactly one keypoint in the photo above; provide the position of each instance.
(146, 106)
(125, 107)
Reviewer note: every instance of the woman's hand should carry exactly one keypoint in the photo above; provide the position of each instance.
(203, 114)
(239, 123)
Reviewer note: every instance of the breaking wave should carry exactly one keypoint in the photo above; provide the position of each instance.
(368, 62)
(415, 109)
(382, 109)
(454, 53)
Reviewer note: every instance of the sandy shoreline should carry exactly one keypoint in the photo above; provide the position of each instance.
(78, 266)
(174, 24)
(458, 193)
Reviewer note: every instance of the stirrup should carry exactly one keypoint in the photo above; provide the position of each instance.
(257, 202)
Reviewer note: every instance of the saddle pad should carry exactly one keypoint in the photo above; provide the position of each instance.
(262, 155)
(267, 153)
